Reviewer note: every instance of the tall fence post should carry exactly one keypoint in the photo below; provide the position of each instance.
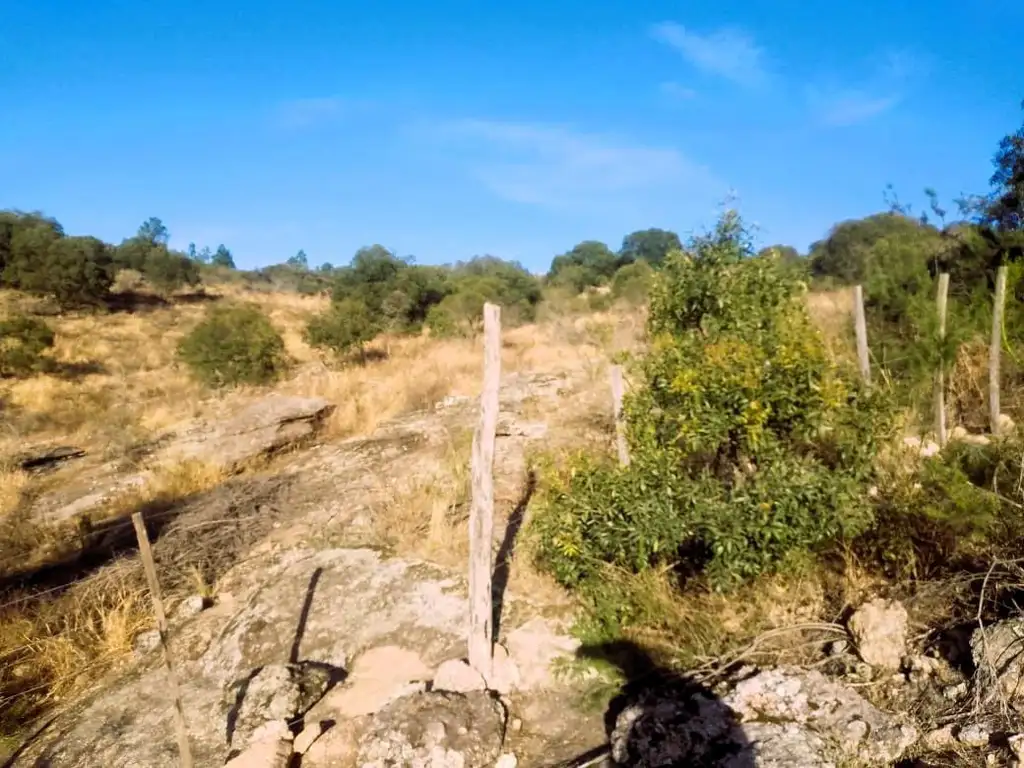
(940, 378)
(149, 566)
(481, 516)
(618, 391)
(999, 303)
(861, 326)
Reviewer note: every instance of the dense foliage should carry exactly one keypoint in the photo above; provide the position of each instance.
(748, 444)
(23, 340)
(234, 345)
(346, 326)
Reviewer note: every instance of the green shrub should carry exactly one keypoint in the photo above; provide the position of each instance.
(632, 283)
(75, 271)
(23, 340)
(234, 345)
(957, 511)
(168, 271)
(749, 446)
(347, 325)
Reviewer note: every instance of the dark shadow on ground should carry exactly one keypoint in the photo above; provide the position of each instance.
(661, 718)
(333, 675)
(131, 302)
(503, 562)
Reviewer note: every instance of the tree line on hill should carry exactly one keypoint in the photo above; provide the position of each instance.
(893, 254)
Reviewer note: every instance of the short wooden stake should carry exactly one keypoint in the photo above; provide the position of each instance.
(999, 304)
(940, 378)
(149, 566)
(861, 326)
(618, 392)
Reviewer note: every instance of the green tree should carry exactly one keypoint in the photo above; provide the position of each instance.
(588, 263)
(234, 345)
(748, 444)
(1006, 211)
(169, 271)
(846, 254)
(223, 257)
(299, 260)
(346, 326)
(153, 231)
(650, 245)
(632, 283)
(76, 271)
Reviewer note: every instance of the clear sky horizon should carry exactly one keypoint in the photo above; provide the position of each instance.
(449, 129)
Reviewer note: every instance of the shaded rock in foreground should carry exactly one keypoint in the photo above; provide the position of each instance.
(435, 730)
(846, 723)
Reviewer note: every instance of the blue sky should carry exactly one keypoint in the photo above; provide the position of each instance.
(448, 129)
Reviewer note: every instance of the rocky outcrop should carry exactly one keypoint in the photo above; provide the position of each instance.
(838, 716)
(265, 426)
(770, 719)
(435, 730)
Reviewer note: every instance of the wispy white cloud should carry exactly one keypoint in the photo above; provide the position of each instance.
(729, 52)
(844, 108)
(301, 113)
(880, 89)
(674, 90)
(559, 168)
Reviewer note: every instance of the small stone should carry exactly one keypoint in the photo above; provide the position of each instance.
(305, 739)
(146, 642)
(974, 735)
(504, 672)
(516, 725)
(456, 676)
(1016, 745)
(864, 671)
(879, 628)
(938, 739)
(837, 647)
(854, 734)
(954, 692)
(189, 607)
(507, 760)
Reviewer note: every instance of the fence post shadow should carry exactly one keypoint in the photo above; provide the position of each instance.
(503, 561)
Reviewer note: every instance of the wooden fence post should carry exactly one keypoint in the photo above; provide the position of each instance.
(149, 566)
(940, 378)
(620, 425)
(861, 326)
(481, 515)
(994, 351)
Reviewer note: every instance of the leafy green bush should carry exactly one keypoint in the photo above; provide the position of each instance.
(234, 345)
(347, 325)
(749, 446)
(75, 271)
(23, 340)
(632, 283)
(169, 271)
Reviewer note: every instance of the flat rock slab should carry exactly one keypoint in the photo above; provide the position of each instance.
(263, 427)
(270, 424)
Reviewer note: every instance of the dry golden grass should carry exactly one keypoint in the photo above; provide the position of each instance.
(119, 386)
